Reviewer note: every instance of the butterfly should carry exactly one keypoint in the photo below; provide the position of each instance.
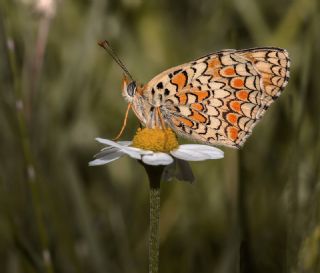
(217, 99)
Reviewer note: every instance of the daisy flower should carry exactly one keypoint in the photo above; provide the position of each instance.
(154, 147)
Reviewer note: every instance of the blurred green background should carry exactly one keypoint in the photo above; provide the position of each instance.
(257, 210)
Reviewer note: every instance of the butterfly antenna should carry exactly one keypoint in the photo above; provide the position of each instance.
(104, 44)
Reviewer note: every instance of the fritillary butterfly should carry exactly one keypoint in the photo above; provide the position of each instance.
(216, 99)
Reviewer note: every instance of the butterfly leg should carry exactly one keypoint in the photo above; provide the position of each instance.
(156, 119)
(161, 119)
(124, 123)
(163, 125)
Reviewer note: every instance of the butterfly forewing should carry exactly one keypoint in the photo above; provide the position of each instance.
(219, 98)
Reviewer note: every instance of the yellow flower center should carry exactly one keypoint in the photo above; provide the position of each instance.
(155, 139)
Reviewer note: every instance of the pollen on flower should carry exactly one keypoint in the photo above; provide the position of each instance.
(155, 139)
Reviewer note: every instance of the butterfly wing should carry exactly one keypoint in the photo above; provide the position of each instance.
(219, 98)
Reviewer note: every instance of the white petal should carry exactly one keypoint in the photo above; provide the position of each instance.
(102, 161)
(111, 143)
(122, 143)
(197, 152)
(125, 142)
(123, 146)
(112, 152)
(135, 152)
(157, 159)
(105, 157)
(132, 153)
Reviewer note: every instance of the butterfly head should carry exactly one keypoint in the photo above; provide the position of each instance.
(129, 89)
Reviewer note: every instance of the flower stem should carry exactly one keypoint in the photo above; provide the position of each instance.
(154, 175)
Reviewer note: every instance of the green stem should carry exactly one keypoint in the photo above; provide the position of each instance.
(154, 175)
(154, 230)
(31, 174)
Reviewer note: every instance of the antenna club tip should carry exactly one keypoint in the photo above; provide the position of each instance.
(103, 43)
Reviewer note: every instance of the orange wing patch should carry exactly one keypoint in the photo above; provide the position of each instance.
(214, 66)
(228, 72)
(232, 118)
(201, 95)
(242, 95)
(197, 106)
(180, 80)
(214, 63)
(182, 120)
(237, 83)
(233, 133)
(182, 98)
(235, 106)
(197, 117)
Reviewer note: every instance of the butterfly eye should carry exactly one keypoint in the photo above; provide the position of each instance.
(131, 89)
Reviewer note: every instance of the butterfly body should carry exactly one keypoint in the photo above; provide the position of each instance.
(216, 99)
